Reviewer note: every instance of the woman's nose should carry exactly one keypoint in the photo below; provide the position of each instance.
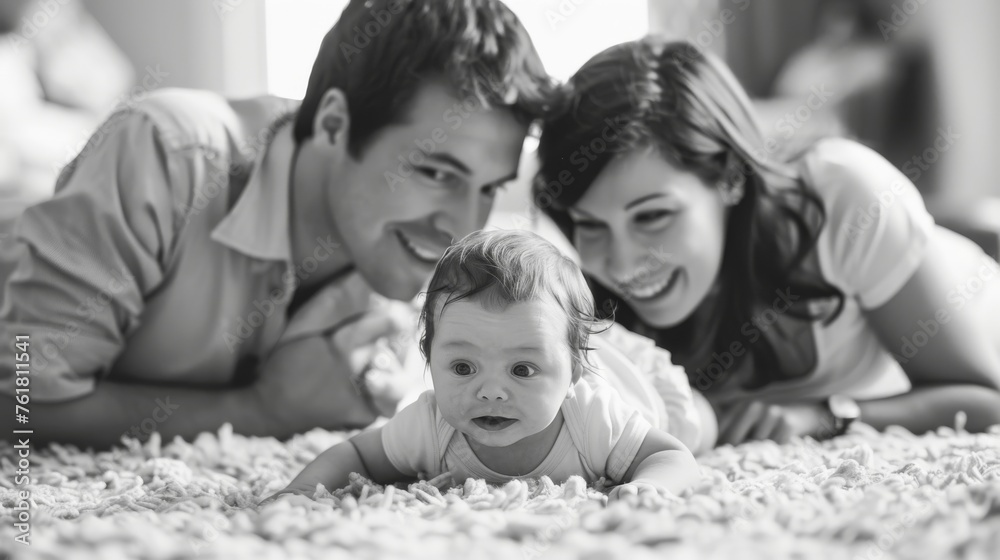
(622, 260)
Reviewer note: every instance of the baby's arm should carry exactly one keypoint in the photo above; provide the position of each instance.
(662, 463)
(363, 454)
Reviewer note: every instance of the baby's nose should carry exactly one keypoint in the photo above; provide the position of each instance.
(492, 392)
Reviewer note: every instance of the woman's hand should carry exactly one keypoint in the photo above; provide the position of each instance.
(756, 420)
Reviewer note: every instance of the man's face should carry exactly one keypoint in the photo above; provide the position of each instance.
(420, 184)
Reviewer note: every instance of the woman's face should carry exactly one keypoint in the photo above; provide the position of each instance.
(652, 234)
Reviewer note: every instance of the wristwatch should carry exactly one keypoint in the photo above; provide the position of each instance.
(844, 410)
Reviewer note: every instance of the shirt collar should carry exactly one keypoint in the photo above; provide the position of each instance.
(258, 224)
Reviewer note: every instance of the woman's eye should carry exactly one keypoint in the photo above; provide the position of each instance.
(463, 368)
(523, 370)
(653, 216)
(586, 225)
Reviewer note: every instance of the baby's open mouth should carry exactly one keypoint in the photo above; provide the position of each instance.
(493, 423)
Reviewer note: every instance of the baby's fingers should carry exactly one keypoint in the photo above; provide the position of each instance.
(623, 492)
(270, 499)
(442, 481)
(653, 496)
(646, 491)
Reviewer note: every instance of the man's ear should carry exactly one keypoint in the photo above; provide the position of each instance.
(332, 121)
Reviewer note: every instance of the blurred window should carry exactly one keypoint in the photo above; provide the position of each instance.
(565, 32)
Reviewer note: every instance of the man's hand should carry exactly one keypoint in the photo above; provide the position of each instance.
(376, 346)
(307, 383)
(756, 420)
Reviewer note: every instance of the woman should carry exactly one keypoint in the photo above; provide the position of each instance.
(786, 286)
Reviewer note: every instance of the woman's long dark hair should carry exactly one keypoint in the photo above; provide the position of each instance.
(684, 103)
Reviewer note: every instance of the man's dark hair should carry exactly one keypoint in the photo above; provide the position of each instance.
(380, 52)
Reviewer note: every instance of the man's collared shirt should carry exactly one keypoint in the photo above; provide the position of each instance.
(164, 256)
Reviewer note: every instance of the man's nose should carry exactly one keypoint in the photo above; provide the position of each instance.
(464, 215)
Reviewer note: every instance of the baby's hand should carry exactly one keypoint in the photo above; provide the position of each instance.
(639, 493)
(443, 481)
(300, 490)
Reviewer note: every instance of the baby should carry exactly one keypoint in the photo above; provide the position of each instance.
(507, 321)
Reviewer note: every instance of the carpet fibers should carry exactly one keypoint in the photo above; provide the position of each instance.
(865, 495)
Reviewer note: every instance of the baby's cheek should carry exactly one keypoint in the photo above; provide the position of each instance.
(545, 405)
(446, 400)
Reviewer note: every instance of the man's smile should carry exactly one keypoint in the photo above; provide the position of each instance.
(418, 250)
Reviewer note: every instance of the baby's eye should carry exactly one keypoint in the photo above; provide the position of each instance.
(523, 370)
(463, 369)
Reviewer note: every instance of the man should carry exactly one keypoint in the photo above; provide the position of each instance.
(206, 261)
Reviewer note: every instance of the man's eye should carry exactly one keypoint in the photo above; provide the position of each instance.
(435, 174)
(492, 190)
(463, 369)
(523, 370)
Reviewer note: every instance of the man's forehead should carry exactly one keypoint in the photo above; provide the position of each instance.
(436, 104)
(483, 143)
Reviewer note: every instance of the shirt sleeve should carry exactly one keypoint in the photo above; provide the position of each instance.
(74, 274)
(659, 377)
(612, 430)
(877, 226)
(411, 438)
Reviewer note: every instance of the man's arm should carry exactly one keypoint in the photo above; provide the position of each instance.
(113, 410)
(303, 384)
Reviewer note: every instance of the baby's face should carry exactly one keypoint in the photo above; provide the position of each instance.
(501, 376)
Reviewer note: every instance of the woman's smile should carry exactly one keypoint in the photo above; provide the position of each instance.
(653, 290)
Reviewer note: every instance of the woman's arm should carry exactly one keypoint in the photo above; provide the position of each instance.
(958, 367)
(943, 340)
(913, 279)
(961, 346)
(925, 408)
(920, 410)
